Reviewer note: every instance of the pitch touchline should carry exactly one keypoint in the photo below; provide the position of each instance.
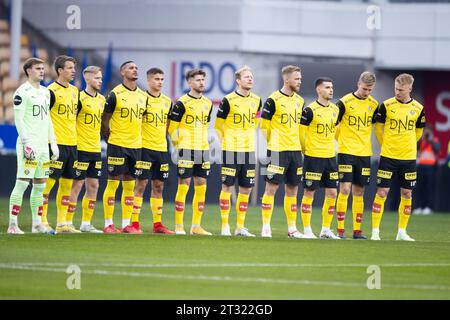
(223, 278)
(229, 265)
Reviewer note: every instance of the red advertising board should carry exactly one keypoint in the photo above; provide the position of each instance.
(437, 106)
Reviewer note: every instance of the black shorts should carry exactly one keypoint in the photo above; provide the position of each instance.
(65, 166)
(89, 165)
(154, 165)
(193, 163)
(405, 169)
(320, 173)
(354, 169)
(123, 160)
(284, 166)
(239, 165)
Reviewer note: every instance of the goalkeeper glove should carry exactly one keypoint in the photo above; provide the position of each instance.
(28, 152)
(55, 151)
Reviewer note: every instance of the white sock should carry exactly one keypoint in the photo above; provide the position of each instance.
(308, 230)
(108, 222)
(85, 224)
(36, 222)
(266, 227)
(376, 231)
(125, 222)
(402, 231)
(325, 229)
(195, 225)
(292, 229)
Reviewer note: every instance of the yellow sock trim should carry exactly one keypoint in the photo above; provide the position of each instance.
(267, 208)
(62, 200)
(404, 212)
(306, 211)
(48, 187)
(109, 196)
(137, 205)
(71, 212)
(341, 209)
(290, 209)
(87, 206)
(328, 211)
(358, 211)
(156, 205)
(241, 209)
(127, 199)
(198, 204)
(180, 203)
(225, 206)
(377, 211)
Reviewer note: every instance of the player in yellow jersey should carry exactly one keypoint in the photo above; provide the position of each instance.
(236, 123)
(91, 104)
(121, 127)
(319, 120)
(188, 128)
(155, 158)
(280, 123)
(63, 111)
(399, 125)
(356, 116)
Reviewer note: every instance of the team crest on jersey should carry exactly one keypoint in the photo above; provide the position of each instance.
(27, 172)
(205, 107)
(412, 112)
(74, 96)
(370, 108)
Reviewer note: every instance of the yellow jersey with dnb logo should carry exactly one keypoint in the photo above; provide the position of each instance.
(89, 120)
(127, 108)
(400, 123)
(321, 121)
(194, 115)
(356, 118)
(63, 111)
(284, 113)
(239, 113)
(154, 126)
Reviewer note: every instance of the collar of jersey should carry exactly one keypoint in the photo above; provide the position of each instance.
(153, 95)
(357, 96)
(322, 104)
(284, 94)
(404, 102)
(61, 85)
(128, 88)
(240, 95)
(96, 93)
(194, 97)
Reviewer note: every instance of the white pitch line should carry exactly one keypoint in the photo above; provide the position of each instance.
(232, 265)
(224, 278)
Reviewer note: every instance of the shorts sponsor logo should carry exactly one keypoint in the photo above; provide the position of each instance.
(30, 164)
(410, 176)
(228, 171)
(384, 174)
(56, 164)
(78, 173)
(341, 176)
(275, 169)
(313, 176)
(206, 165)
(110, 168)
(50, 171)
(129, 201)
(111, 201)
(299, 171)
(250, 174)
(185, 164)
(365, 171)
(143, 165)
(243, 206)
(347, 168)
(75, 164)
(181, 171)
(137, 172)
(82, 166)
(116, 161)
(306, 208)
(308, 183)
(179, 206)
(224, 178)
(333, 175)
(378, 180)
(46, 165)
(164, 167)
(224, 204)
(98, 165)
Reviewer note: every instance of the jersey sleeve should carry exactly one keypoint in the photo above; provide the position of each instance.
(177, 112)
(341, 107)
(421, 119)
(258, 113)
(52, 98)
(268, 110)
(110, 104)
(224, 109)
(307, 116)
(381, 114)
(210, 111)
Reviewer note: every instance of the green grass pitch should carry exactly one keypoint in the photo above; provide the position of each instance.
(190, 267)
